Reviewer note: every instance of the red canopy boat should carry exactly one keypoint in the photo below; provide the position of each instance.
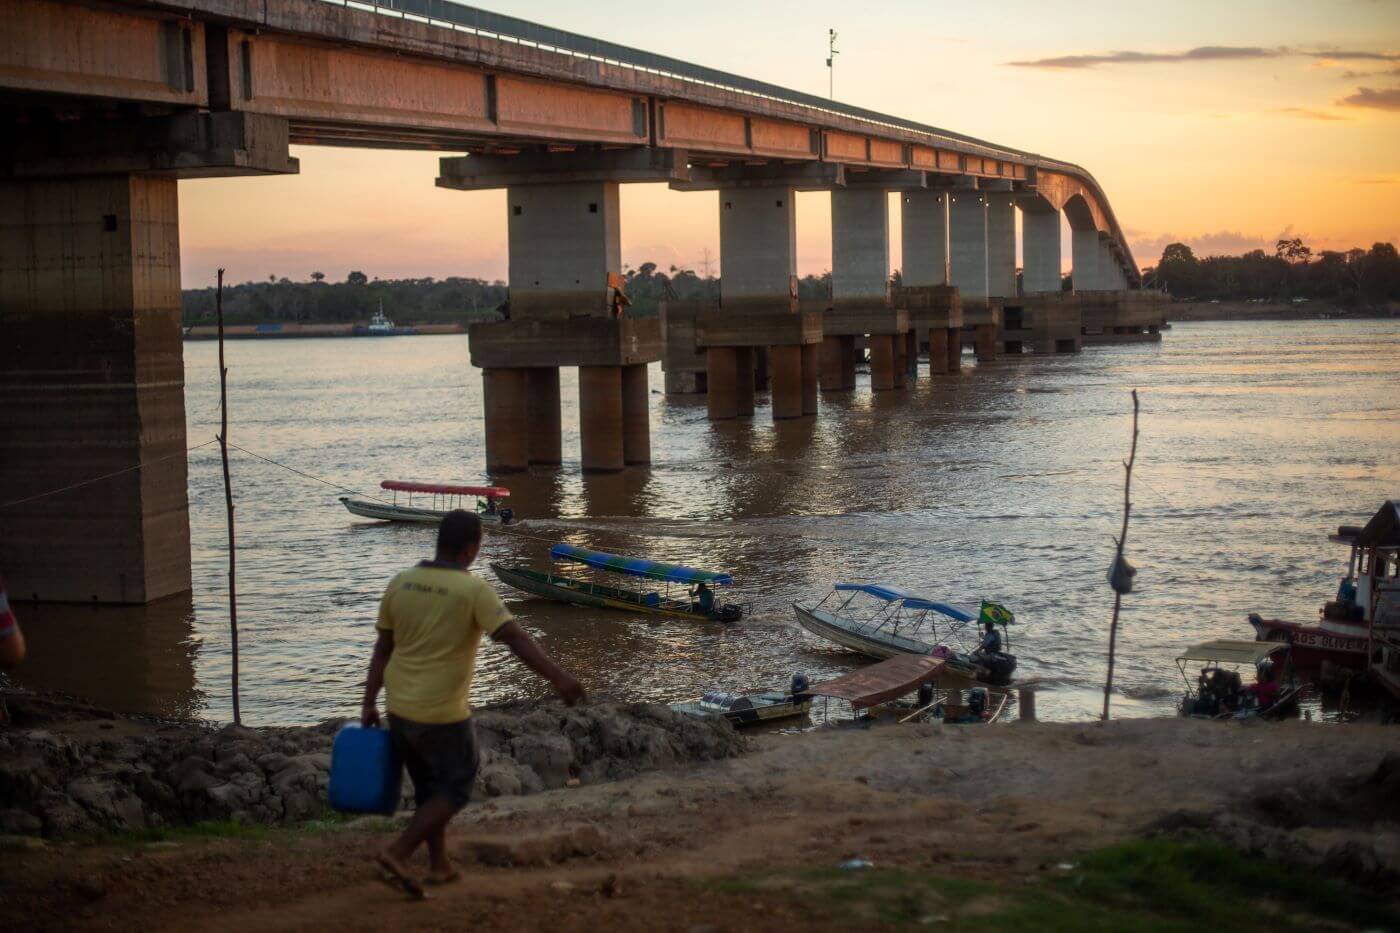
(444, 498)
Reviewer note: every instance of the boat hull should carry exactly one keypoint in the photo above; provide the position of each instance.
(566, 590)
(831, 627)
(1344, 646)
(775, 709)
(386, 512)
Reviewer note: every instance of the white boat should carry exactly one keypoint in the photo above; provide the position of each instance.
(441, 500)
(752, 708)
(379, 325)
(881, 621)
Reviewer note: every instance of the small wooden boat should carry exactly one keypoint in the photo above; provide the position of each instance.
(564, 587)
(906, 688)
(754, 708)
(442, 499)
(882, 621)
(1218, 691)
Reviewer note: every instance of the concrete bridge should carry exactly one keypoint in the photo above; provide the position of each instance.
(108, 103)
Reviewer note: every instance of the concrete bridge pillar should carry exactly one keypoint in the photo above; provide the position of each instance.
(1040, 249)
(1111, 273)
(1084, 253)
(1001, 245)
(860, 244)
(758, 274)
(967, 237)
(924, 225)
(91, 384)
(564, 258)
(882, 363)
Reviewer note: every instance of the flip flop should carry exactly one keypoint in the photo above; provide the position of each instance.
(397, 878)
(449, 878)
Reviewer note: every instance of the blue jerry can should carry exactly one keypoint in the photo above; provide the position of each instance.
(366, 775)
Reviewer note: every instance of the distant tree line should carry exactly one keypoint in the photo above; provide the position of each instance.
(1353, 277)
(419, 301)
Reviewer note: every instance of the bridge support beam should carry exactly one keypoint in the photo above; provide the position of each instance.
(967, 229)
(860, 290)
(1084, 254)
(600, 418)
(1040, 249)
(1001, 245)
(636, 415)
(924, 224)
(542, 425)
(92, 384)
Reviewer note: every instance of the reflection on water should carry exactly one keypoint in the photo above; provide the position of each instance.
(1000, 482)
(131, 659)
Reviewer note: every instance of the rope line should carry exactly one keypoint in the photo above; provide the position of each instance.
(98, 479)
(317, 479)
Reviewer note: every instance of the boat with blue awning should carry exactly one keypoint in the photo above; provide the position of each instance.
(631, 584)
(882, 621)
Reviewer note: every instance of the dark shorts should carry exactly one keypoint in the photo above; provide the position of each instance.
(441, 758)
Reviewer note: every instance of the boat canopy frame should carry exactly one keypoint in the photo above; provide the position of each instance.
(636, 569)
(1229, 651)
(446, 496)
(899, 613)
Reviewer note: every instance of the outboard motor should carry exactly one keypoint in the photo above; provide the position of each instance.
(800, 685)
(977, 702)
(925, 695)
(1000, 668)
(507, 516)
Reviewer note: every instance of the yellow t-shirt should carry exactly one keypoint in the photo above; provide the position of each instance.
(437, 613)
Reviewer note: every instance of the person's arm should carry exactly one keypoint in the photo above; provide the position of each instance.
(374, 681)
(11, 638)
(534, 657)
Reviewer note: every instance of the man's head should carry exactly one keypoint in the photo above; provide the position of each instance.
(989, 625)
(459, 537)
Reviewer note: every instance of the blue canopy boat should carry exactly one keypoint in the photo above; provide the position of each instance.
(566, 587)
(882, 621)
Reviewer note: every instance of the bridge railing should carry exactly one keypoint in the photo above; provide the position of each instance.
(470, 19)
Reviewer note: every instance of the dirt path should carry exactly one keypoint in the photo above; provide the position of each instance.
(656, 852)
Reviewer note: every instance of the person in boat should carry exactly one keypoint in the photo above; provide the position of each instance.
(431, 620)
(704, 598)
(991, 639)
(1266, 687)
(1346, 593)
(490, 505)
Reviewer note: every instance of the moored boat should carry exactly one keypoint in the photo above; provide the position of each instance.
(882, 621)
(908, 688)
(753, 708)
(442, 498)
(1378, 592)
(1218, 691)
(562, 585)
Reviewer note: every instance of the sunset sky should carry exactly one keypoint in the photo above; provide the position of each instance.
(1222, 125)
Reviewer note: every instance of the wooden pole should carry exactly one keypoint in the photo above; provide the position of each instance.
(228, 501)
(1118, 559)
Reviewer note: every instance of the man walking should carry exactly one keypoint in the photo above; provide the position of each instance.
(431, 620)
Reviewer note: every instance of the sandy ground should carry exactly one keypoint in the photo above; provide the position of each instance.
(1005, 802)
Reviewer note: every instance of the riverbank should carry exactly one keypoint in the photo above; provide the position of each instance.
(994, 827)
(294, 331)
(1275, 311)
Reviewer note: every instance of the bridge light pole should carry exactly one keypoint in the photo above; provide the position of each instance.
(831, 54)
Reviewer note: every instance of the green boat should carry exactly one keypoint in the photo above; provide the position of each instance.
(566, 587)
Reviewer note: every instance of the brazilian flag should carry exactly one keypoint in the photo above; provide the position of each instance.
(995, 613)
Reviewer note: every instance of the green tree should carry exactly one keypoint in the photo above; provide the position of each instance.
(357, 277)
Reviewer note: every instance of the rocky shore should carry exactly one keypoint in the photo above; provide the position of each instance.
(67, 770)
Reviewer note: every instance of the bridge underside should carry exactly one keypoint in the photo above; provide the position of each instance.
(106, 104)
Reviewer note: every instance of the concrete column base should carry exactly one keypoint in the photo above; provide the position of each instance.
(901, 360)
(954, 350)
(1012, 347)
(911, 355)
(92, 381)
(600, 418)
(811, 364)
(848, 362)
(882, 362)
(832, 374)
(721, 366)
(505, 397)
(760, 369)
(636, 415)
(545, 446)
(743, 382)
(685, 383)
(984, 338)
(937, 350)
(785, 372)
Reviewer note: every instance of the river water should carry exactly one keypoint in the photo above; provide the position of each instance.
(1003, 482)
